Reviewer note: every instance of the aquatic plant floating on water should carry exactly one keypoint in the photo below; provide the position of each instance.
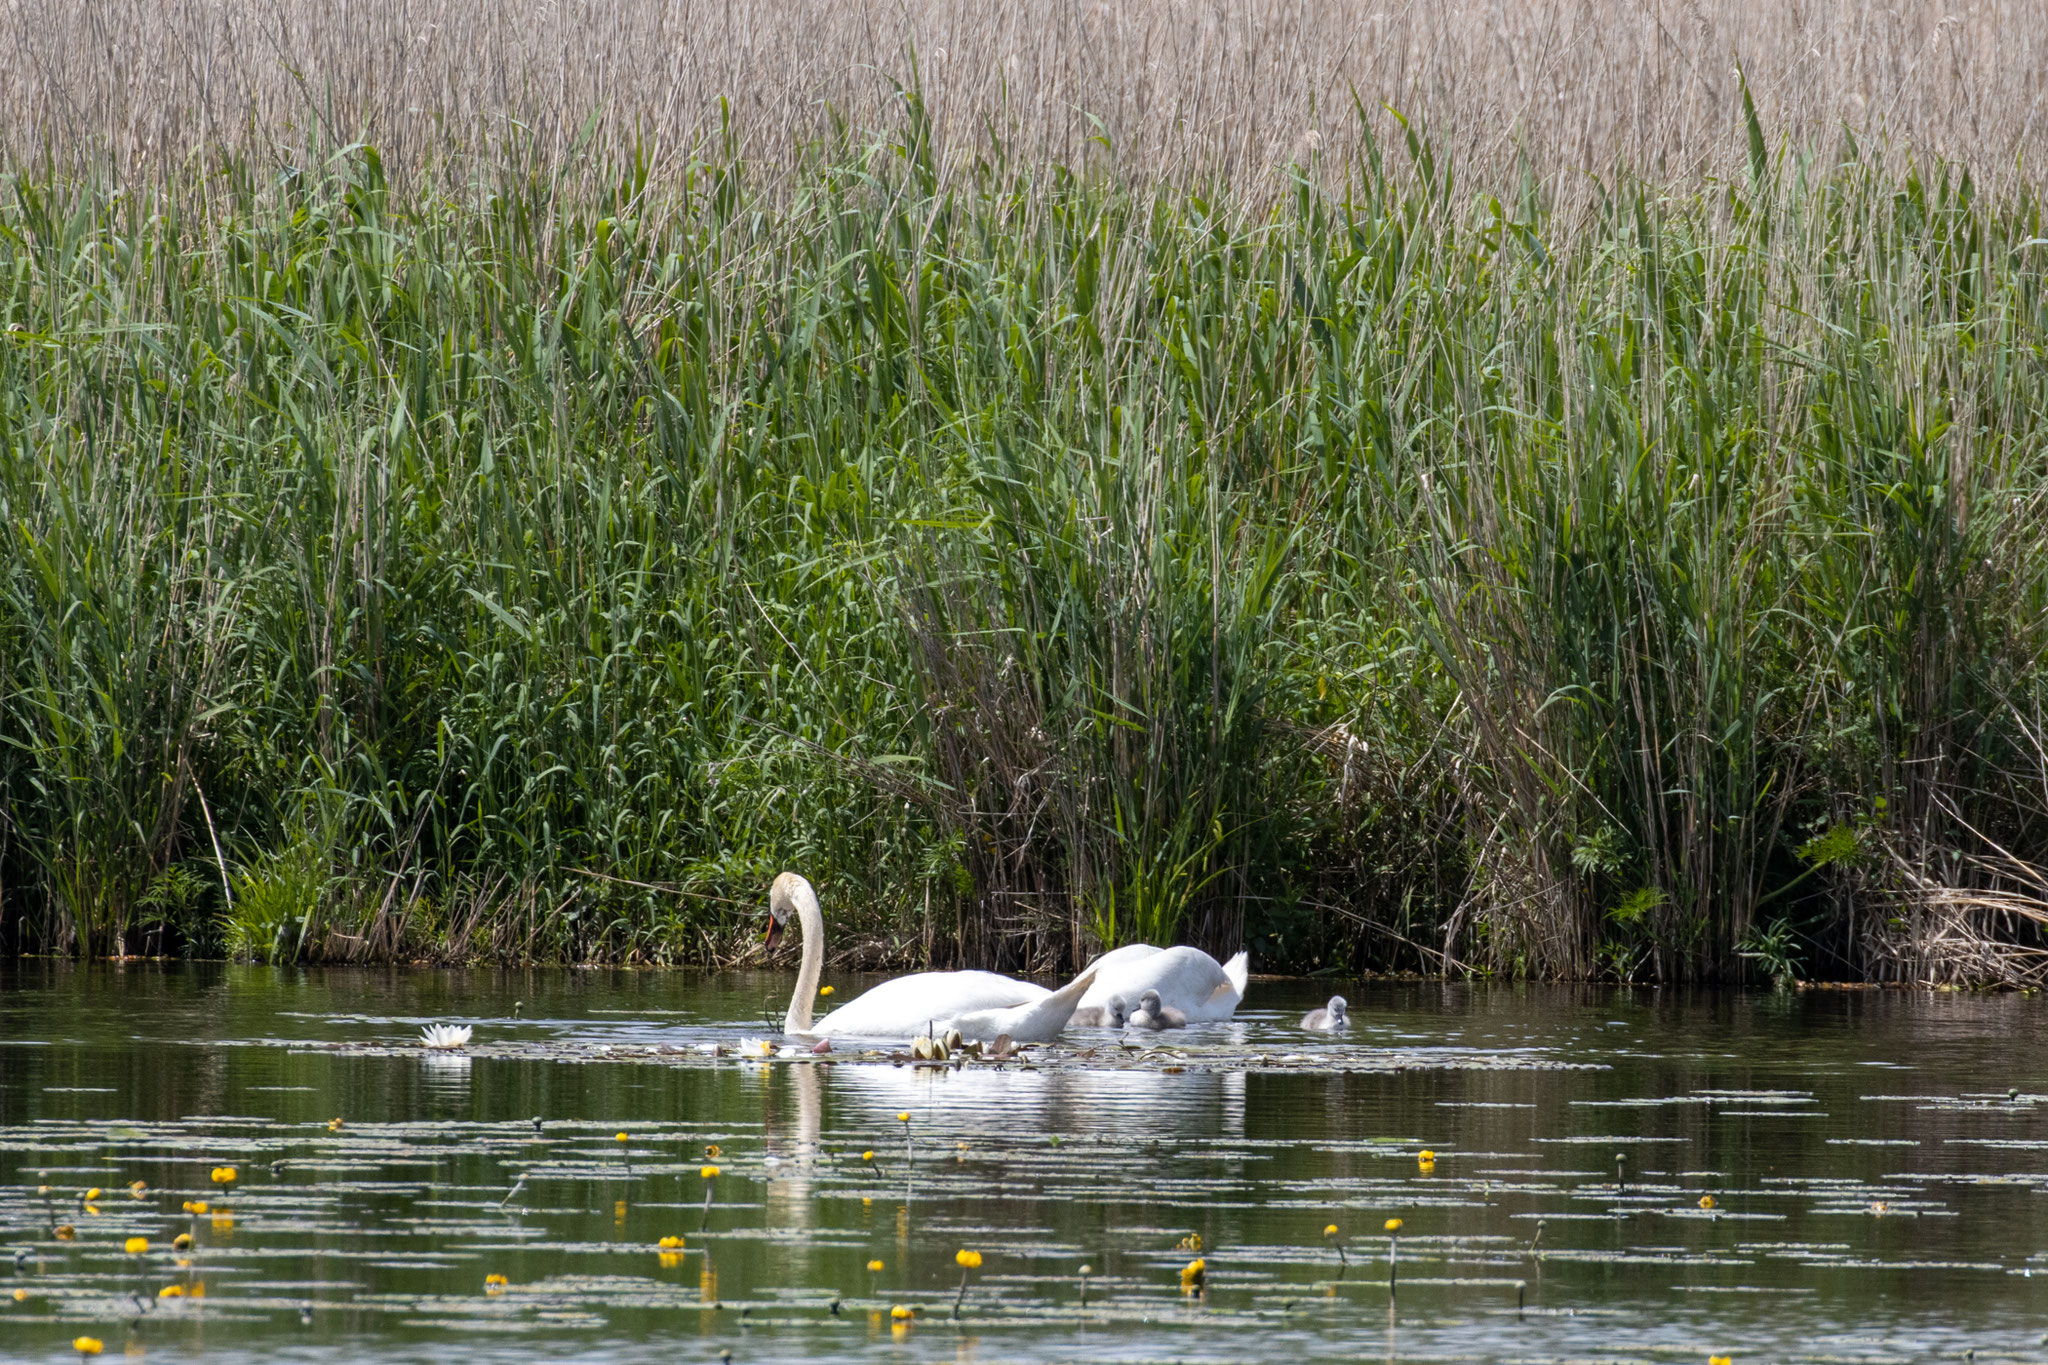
(444, 1037)
(1425, 1161)
(223, 1175)
(1194, 1276)
(1393, 1252)
(494, 1284)
(968, 1261)
(1336, 1239)
(136, 1246)
(88, 1346)
(709, 1175)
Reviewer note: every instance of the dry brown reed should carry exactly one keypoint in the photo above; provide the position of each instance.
(1563, 87)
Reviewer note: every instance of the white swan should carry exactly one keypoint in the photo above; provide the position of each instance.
(1329, 1018)
(907, 1006)
(1187, 979)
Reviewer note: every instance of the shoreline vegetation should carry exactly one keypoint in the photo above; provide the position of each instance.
(1394, 559)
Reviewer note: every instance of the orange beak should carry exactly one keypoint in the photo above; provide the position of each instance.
(774, 933)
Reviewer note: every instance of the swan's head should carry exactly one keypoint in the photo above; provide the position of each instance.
(1149, 1003)
(790, 892)
(1335, 1009)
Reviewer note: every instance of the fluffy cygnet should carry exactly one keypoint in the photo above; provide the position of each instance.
(1329, 1017)
(1112, 1014)
(1154, 1015)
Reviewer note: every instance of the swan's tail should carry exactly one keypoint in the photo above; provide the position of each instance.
(1239, 970)
(1042, 1020)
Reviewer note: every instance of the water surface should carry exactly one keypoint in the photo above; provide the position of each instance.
(1873, 1178)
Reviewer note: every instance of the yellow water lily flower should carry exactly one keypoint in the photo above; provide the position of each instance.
(334, 1125)
(874, 1265)
(903, 1117)
(824, 990)
(88, 1346)
(171, 1291)
(65, 1232)
(92, 1195)
(182, 1242)
(670, 1243)
(902, 1313)
(135, 1246)
(493, 1283)
(967, 1260)
(1706, 1201)
(195, 1206)
(621, 1137)
(1393, 1225)
(223, 1175)
(1330, 1231)
(1193, 1275)
(708, 1172)
(137, 1189)
(21, 1296)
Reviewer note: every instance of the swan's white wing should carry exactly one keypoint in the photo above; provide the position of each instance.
(1112, 966)
(904, 1007)
(1120, 957)
(1038, 1022)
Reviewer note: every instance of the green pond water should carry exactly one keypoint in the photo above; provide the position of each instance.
(1877, 1190)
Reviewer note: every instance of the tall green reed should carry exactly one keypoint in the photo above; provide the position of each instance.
(1395, 576)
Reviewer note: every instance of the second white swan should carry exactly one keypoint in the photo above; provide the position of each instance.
(1188, 980)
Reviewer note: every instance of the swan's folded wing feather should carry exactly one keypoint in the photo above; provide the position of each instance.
(904, 1007)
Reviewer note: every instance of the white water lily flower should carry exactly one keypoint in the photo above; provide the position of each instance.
(756, 1047)
(445, 1035)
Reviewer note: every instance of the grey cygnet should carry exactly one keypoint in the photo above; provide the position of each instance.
(1112, 1015)
(1330, 1017)
(1154, 1014)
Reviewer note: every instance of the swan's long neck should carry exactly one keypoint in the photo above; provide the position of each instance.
(812, 926)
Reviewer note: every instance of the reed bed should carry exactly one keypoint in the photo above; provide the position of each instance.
(1401, 547)
(1154, 88)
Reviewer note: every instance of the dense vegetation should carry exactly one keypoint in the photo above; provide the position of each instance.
(1392, 576)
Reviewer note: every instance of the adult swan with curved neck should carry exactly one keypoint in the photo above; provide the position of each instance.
(982, 1005)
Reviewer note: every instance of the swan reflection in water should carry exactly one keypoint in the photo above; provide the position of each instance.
(792, 1110)
(980, 1100)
